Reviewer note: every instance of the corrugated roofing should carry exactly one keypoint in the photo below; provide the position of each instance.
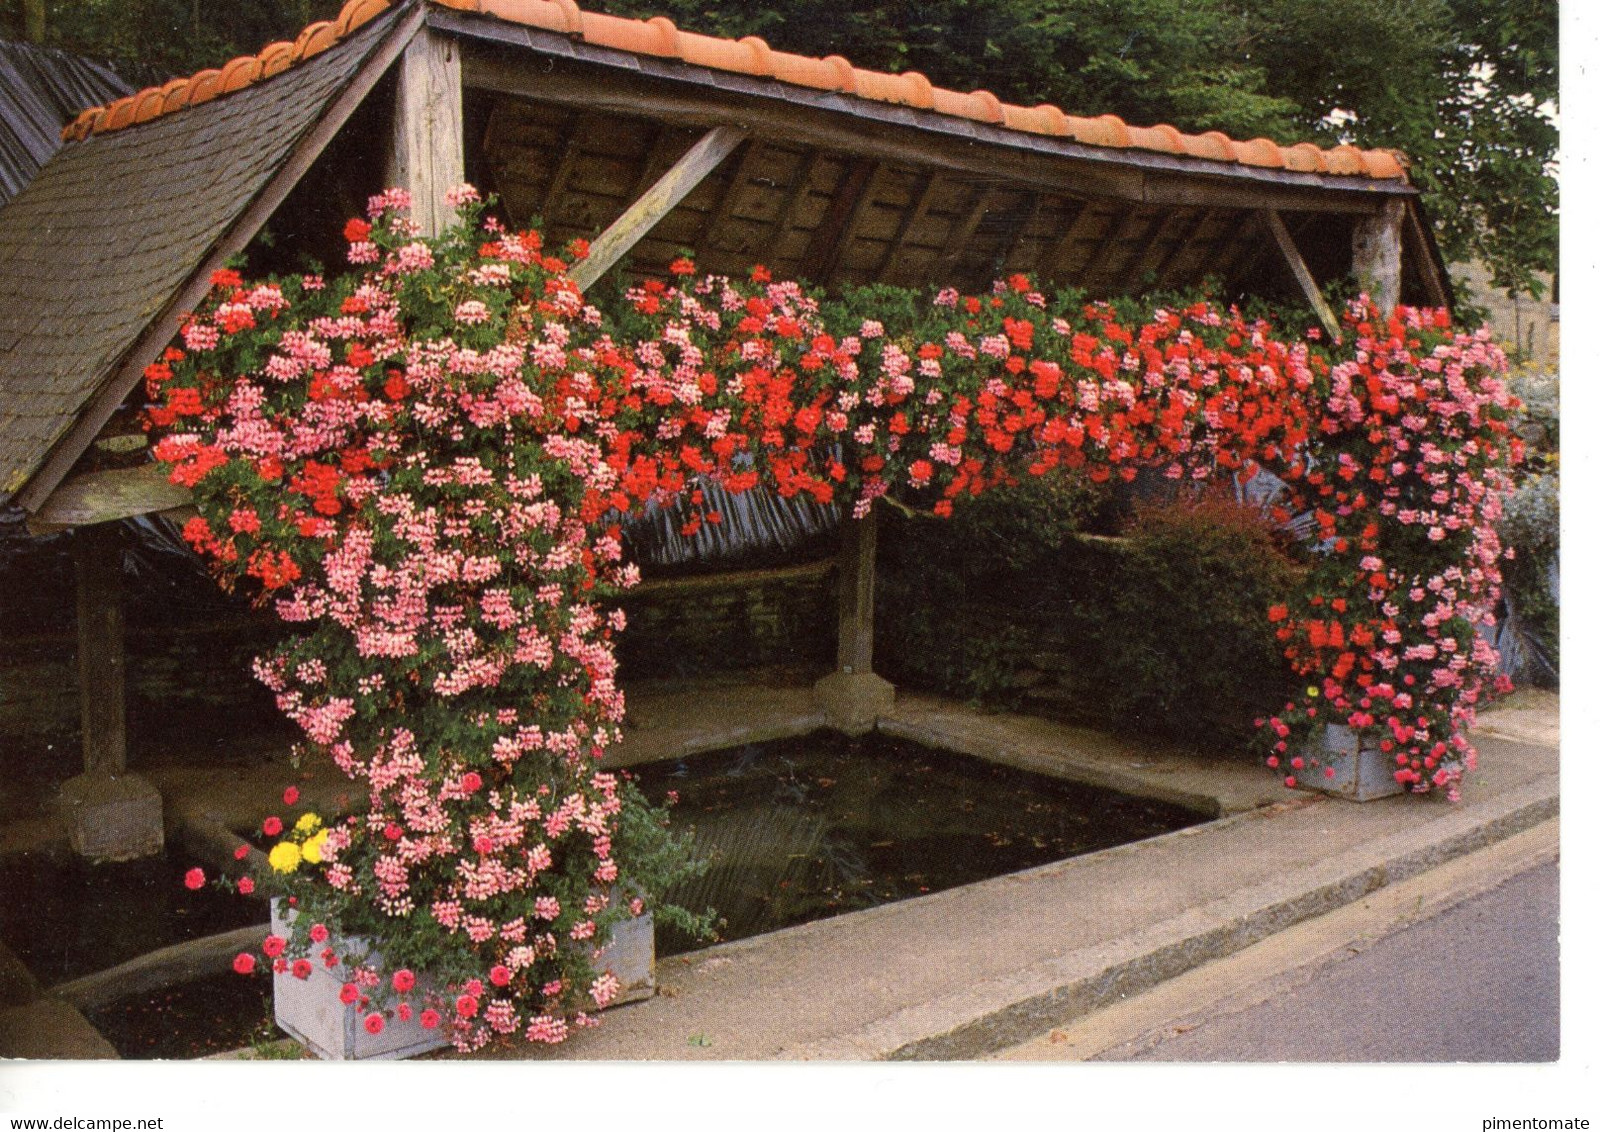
(42, 89)
(110, 229)
(752, 56)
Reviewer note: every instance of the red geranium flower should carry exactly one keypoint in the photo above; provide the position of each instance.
(194, 878)
(244, 963)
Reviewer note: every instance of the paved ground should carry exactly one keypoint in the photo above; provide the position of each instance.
(1477, 983)
(972, 971)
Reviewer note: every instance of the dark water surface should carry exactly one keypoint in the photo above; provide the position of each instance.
(806, 828)
(65, 918)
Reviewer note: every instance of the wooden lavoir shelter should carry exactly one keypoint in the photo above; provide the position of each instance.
(647, 139)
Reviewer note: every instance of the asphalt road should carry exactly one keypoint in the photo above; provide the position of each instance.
(1477, 983)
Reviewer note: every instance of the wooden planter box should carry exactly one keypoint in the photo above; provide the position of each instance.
(1361, 772)
(309, 1009)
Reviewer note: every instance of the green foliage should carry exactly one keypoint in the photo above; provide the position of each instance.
(1184, 646)
(660, 857)
(153, 40)
(1162, 631)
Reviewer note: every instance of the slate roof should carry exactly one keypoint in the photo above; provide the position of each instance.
(41, 90)
(112, 228)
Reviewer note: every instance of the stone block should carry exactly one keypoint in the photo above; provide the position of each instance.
(853, 702)
(112, 817)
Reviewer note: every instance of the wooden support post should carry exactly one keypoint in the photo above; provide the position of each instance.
(661, 198)
(426, 155)
(853, 697)
(101, 661)
(1302, 273)
(858, 561)
(110, 815)
(1375, 253)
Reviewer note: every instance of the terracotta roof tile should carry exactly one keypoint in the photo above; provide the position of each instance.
(661, 38)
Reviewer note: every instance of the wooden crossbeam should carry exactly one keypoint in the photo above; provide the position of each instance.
(661, 198)
(1302, 273)
(101, 497)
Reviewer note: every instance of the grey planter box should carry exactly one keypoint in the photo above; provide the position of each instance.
(309, 1010)
(1361, 772)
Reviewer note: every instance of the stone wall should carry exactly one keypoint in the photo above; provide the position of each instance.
(706, 624)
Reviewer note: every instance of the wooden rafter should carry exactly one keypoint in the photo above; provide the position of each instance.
(955, 246)
(655, 163)
(661, 198)
(1055, 260)
(1030, 215)
(783, 222)
(828, 239)
(1132, 271)
(562, 173)
(909, 222)
(1115, 233)
(730, 195)
(1302, 273)
(1169, 262)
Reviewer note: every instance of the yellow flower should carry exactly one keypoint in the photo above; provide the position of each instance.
(312, 849)
(1313, 693)
(285, 857)
(308, 823)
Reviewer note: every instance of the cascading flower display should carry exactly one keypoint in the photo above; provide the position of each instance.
(421, 464)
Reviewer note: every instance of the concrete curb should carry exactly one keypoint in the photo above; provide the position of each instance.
(1004, 1012)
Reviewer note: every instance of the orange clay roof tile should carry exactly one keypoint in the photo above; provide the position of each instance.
(661, 38)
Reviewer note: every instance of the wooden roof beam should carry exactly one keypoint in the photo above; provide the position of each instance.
(661, 198)
(836, 123)
(840, 221)
(1302, 273)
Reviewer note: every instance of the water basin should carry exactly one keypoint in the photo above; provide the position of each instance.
(807, 828)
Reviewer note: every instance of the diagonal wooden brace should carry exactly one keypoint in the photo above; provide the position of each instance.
(658, 200)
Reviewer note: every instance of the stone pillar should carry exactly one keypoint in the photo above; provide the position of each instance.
(853, 697)
(110, 815)
(1375, 254)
